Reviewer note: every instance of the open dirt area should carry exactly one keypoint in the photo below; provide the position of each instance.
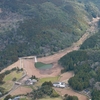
(66, 76)
(71, 92)
(31, 70)
(21, 90)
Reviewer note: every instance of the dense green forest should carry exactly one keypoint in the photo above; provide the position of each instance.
(35, 27)
(92, 43)
(43, 91)
(86, 66)
(96, 95)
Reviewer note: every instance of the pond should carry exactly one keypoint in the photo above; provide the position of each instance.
(41, 65)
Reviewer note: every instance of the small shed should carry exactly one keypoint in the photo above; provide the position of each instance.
(30, 81)
(59, 84)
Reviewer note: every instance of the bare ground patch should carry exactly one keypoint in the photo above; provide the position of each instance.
(21, 90)
(71, 92)
(66, 76)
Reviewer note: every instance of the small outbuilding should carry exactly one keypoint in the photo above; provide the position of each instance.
(30, 81)
(59, 84)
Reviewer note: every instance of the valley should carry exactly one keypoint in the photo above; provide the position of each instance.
(29, 68)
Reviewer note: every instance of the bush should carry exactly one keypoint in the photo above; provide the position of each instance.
(54, 94)
(7, 72)
(13, 69)
(14, 79)
(7, 97)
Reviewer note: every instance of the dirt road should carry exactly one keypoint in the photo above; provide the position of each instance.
(75, 46)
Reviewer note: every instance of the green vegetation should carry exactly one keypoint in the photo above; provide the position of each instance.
(72, 59)
(23, 99)
(47, 79)
(92, 42)
(44, 91)
(48, 98)
(47, 27)
(86, 66)
(68, 97)
(7, 80)
(95, 95)
(40, 65)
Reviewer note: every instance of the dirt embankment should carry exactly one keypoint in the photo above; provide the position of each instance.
(71, 92)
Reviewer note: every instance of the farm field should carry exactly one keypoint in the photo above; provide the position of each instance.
(8, 80)
(71, 92)
(48, 98)
(52, 79)
(21, 90)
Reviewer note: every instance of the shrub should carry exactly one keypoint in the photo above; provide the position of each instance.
(14, 79)
(54, 94)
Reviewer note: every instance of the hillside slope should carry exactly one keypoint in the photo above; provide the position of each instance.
(35, 27)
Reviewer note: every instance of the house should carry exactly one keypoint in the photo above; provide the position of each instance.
(59, 84)
(30, 81)
(17, 83)
(0, 93)
(16, 98)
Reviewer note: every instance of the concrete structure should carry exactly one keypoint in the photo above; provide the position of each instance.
(59, 84)
(29, 57)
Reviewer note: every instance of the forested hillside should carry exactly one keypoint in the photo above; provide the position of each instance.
(86, 65)
(41, 27)
(92, 43)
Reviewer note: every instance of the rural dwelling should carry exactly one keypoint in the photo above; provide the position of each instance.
(59, 84)
(0, 93)
(16, 98)
(30, 81)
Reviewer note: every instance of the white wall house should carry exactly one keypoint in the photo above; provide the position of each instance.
(59, 84)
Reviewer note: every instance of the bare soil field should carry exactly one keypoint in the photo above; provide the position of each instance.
(71, 92)
(66, 76)
(31, 70)
(21, 90)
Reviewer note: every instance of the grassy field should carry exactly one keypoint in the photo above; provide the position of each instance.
(41, 65)
(48, 98)
(52, 79)
(8, 83)
(25, 98)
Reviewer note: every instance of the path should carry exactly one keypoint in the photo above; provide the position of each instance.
(75, 46)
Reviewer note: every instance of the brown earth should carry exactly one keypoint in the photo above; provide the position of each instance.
(66, 76)
(21, 90)
(71, 92)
